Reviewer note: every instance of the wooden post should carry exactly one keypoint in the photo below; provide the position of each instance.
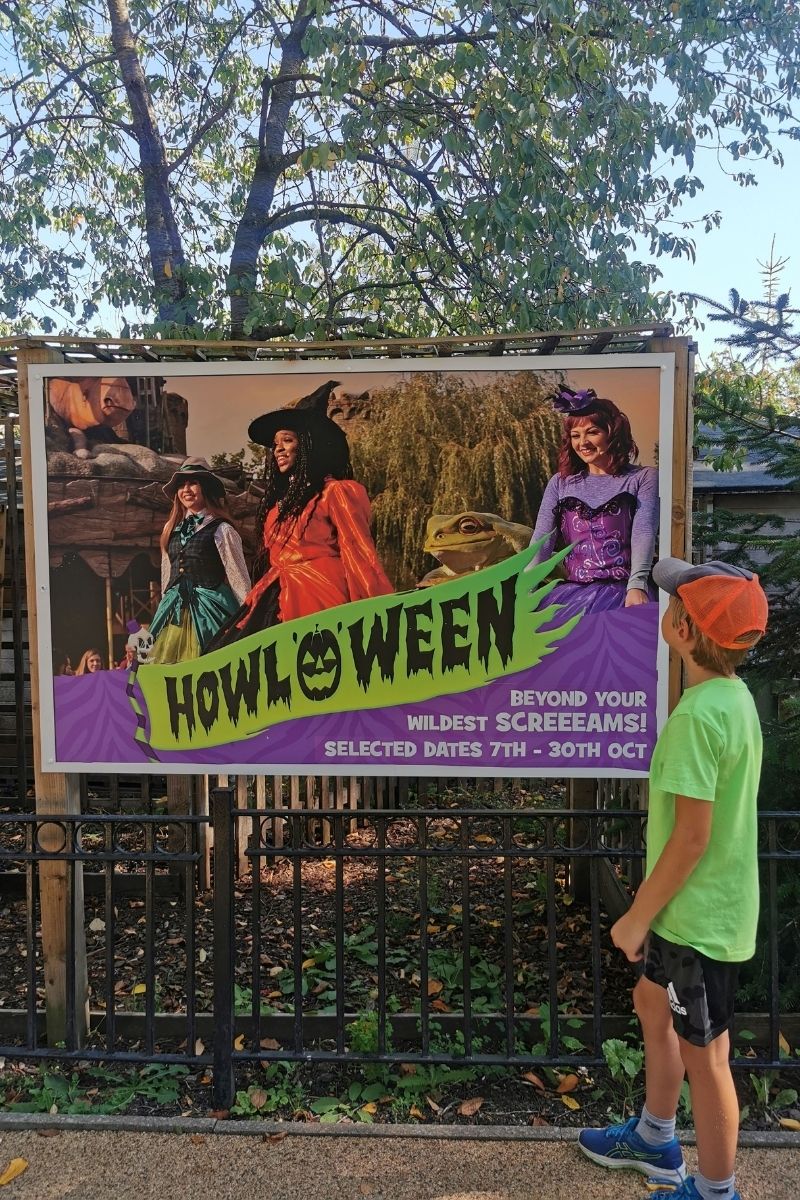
(205, 834)
(56, 795)
(311, 803)
(277, 802)
(353, 801)
(581, 794)
(244, 830)
(325, 803)
(682, 461)
(179, 804)
(110, 618)
(259, 825)
(2, 558)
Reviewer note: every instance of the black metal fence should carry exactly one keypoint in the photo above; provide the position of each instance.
(425, 935)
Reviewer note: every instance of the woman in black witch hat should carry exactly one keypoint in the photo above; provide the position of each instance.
(315, 519)
(203, 573)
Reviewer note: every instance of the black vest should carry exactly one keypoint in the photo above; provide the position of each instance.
(198, 561)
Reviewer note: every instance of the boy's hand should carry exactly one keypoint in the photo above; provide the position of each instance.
(628, 935)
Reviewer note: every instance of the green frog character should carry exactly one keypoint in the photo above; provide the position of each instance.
(470, 541)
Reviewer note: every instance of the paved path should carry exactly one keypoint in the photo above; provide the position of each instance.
(159, 1166)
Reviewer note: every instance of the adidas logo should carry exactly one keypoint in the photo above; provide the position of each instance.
(674, 1002)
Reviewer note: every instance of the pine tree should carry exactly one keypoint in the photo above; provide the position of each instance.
(763, 330)
(744, 411)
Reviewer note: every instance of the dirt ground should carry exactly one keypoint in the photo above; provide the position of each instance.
(157, 1166)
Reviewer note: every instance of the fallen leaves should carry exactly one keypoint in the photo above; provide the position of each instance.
(273, 1138)
(570, 1102)
(568, 1083)
(14, 1168)
(789, 1123)
(468, 1108)
(533, 1078)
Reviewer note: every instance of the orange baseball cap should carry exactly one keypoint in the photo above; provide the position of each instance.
(725, 602)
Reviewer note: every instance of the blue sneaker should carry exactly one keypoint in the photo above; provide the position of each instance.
(685, 1191)
(621, 1146)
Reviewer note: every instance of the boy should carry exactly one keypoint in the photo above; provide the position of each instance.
(694, 918)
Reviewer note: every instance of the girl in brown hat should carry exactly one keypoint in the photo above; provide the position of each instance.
(203, 573)
(318, 551)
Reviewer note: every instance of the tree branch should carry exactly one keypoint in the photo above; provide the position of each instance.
(163, 238)
(225, 107)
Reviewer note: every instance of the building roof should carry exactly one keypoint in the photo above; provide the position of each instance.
(754, 475)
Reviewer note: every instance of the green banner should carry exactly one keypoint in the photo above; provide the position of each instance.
(389, 651)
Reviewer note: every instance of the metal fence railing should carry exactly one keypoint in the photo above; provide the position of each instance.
(442, 935)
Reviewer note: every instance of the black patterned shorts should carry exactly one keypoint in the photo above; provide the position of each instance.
(700, 990)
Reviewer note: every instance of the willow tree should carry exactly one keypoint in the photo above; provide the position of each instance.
(442, 443)
(310, 166)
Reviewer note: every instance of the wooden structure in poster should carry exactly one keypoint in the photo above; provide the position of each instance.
(58, 794)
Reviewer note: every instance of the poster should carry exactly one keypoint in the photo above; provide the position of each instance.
(405, 619)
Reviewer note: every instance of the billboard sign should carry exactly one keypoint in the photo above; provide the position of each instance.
(418, 567)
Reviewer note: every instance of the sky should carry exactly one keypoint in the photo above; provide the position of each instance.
(728, 256)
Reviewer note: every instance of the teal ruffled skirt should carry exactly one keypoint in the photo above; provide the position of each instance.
(187, 618)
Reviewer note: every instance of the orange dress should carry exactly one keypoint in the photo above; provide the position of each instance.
(324, 558)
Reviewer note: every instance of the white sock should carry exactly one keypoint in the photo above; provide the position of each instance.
(715, 1189)
(656, 1131)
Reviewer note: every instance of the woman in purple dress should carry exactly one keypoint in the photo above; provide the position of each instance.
(603, 505)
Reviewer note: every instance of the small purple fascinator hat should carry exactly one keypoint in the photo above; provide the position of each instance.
(571, 403)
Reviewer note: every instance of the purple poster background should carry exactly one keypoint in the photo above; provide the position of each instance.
(557, 717)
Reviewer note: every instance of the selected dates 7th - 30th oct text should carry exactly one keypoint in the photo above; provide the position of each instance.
(619, 713)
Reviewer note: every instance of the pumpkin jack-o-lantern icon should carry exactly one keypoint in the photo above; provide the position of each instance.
(319, 664)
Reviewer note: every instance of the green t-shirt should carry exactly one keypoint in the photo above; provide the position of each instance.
(710, 749)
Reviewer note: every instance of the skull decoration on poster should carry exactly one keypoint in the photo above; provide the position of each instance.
(140, 641)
